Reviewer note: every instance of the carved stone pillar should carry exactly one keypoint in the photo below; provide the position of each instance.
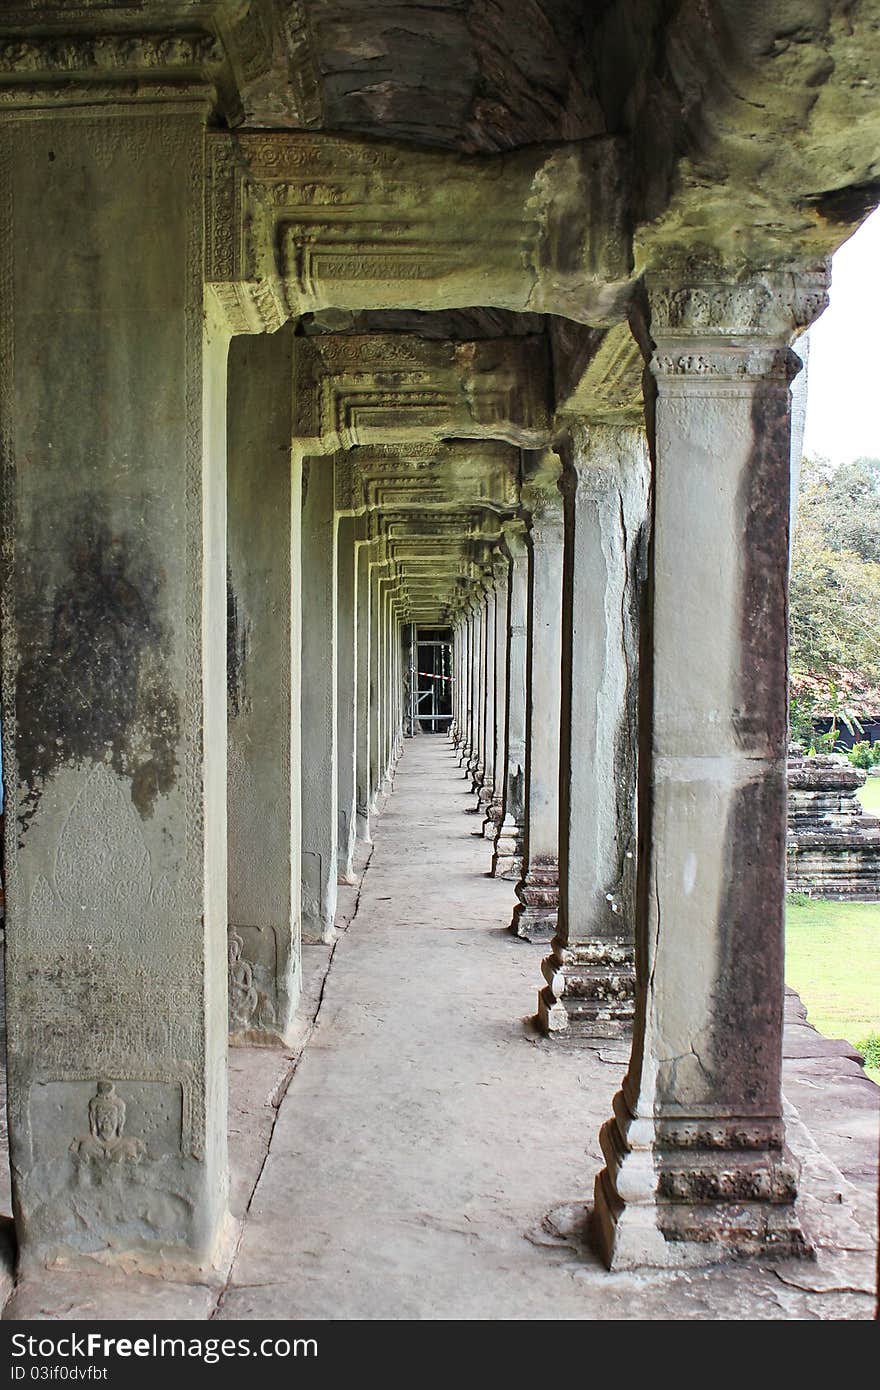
(481, 784)
(386, 683)
(495, 803)
(318, 701)
(696, 1158)
(484, 779)
(456, 688)
(507, 858)
(476, 762)
(362, 721)
(534, 917)
(377, 570)
(113, 445)
(469, 673)
(590, 972)
(346, 693)
(262, 680)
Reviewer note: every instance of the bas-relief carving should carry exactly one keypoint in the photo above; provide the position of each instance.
(249, 1006)
(108, 53)
(101, 888)
(91, 977)
(766, 306)
(104, 1154)
(105, 1142)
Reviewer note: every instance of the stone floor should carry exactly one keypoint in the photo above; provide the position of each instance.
(423, 1154)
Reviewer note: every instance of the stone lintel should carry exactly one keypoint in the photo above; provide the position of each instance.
(337, 222)
(378, 388)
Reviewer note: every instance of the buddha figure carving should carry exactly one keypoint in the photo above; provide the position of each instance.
(105, 1139)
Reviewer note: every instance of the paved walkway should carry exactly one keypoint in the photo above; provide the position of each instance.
(428, 1133)
(428, 1153)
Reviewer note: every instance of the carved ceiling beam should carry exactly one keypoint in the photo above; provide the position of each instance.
(380, 388)
(298, 223)
(438, 477)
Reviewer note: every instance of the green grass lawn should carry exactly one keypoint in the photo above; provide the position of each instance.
(832, 959)
(870, 795)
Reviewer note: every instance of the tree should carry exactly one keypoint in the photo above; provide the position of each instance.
(835, 590)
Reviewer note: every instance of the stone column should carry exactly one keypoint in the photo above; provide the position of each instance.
(484, 781)
(318, 701)
(377, 569)
(362, 722)
(477, 656)
(495, 803)
(460, 676)
(263, 789)
(695, 1153)
(507, 858)
(590, 972)
(386, 713)
(478, 757)
(534, 917)
(468, 692)
(112, 436)
(347, 528)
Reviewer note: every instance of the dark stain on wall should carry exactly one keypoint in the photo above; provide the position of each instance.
(236, 651)
(93, 681)
(747, 1015)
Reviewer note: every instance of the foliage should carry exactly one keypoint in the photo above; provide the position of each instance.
(865, 754)
(835, 596)
(870, 1050)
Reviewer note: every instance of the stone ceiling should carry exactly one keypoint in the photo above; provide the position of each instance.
(745, 135)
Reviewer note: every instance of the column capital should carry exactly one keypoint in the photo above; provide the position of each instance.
(734, 330)
(546, 512)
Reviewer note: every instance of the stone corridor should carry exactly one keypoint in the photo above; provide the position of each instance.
(430, 1151)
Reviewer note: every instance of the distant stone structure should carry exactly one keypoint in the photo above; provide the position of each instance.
(833, 847)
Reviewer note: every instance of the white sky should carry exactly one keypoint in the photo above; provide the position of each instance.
(843, 409)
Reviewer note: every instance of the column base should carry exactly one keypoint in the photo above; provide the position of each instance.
(590, 990)
(484, 800)
(508, 852)
(694, 1190)
(535, 917)
(494, 816)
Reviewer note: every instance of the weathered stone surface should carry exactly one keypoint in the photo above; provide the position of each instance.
(318, 704)
(114, 718)
(590, 973)
(350, 390)
(695, 1152)
(311, 222)
(262, 670)
(534, 918)
(833, 845)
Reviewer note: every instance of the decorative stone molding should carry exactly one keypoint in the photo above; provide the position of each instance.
(483, 473)
(351, 390)
(598, 373)
(768, 306)
(733, 333)
(108, 53)
(590, 989)
(537, 909)
(345, 223)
